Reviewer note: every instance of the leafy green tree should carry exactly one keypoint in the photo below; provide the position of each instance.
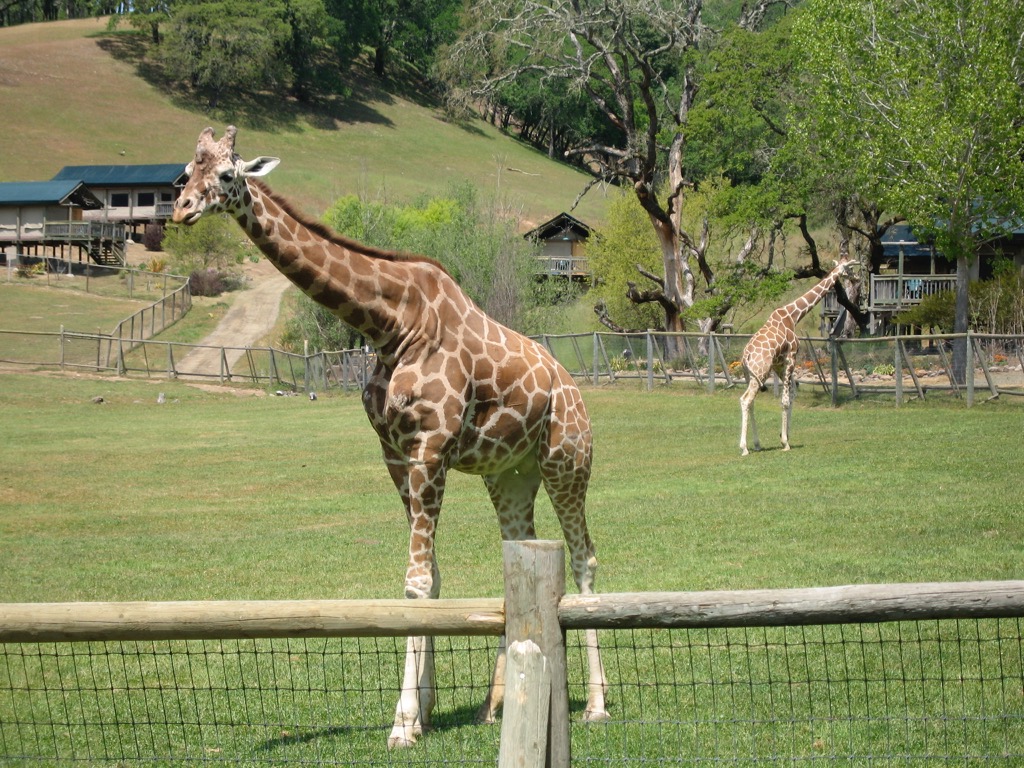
(922, 101)
(213, 243)
(477, 244)
(412, 29)
(625, 244)
(226, 45)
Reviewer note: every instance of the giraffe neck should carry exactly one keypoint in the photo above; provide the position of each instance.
(348, 279)
(795, 310)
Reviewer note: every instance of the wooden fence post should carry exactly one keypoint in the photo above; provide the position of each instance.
(650, 361)
(970, 370)
(834, 372)
(524, 723)
(897, 374)
(534, 584)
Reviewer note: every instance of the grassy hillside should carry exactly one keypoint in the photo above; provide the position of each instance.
(75, 94)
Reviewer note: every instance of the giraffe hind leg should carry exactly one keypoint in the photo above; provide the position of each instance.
(747, 419)
(787, 403)
(568, 496)
(513, 494)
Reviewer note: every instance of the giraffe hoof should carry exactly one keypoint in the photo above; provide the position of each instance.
(486, 714)
(744, 452)
(403, 736)
(596, 716)
(401, 741)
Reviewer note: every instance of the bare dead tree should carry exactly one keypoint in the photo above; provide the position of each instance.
(633, 59)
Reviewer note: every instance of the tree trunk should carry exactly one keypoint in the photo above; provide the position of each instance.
(960, 320)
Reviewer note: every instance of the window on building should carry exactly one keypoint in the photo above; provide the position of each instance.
(145, 199)
(119, 200)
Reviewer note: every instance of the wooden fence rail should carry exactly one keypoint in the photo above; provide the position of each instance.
(534, 616)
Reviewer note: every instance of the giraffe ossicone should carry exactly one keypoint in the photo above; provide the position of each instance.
(452, 389)
(774, 348)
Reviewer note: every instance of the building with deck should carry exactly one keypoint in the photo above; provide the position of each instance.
(563, 241)
(909, 271)
(132, 195)
(40, 218)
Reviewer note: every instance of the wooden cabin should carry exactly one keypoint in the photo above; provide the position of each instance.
(47, 218)
(563, 242)
(910, 271)
(132, 195)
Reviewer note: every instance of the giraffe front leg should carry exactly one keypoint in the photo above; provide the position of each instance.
(422, 581)
(597, 681)
(747, 417)
(488, 710)
(787, 406)
(417, 696)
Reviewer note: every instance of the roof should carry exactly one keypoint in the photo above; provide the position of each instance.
(63, 192)
(562, 223)
(125, 175)
(902, 236)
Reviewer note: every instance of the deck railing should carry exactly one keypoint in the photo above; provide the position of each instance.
(897, 290)
(564, 266)
(83, 230)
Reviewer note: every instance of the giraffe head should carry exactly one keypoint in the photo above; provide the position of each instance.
(216, 178)
(845, 266)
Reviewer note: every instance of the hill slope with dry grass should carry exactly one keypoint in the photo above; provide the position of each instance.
(73, 93)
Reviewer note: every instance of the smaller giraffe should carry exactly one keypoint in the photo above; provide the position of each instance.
(774, 348)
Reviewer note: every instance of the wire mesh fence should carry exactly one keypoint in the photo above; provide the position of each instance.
(898, 694)
(893, 368)
(168, 295)
(235, 702)
(900, 367)
(906, 693)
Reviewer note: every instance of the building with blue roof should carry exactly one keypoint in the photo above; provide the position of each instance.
(135, 195)
(47, 218)
(88, 210)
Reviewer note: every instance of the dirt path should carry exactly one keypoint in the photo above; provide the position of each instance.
(251, 317)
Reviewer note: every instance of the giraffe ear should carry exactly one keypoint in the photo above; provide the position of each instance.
(260, 166)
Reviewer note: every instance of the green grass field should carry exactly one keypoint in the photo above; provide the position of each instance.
(226, 495)
(220, 496)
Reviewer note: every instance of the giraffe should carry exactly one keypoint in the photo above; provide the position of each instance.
(452, 390)
(774, 348)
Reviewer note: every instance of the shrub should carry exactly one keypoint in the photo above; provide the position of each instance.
(153, 237)
(206, 282)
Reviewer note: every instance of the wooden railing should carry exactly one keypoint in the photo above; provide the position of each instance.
(894, 291)
(900, 290)
(83, 230)
(564, 266)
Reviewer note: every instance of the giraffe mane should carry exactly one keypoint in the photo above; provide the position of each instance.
(327, 233)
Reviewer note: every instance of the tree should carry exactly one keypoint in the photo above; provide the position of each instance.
(226, 45)
(635, 60)
(144, 16)
(413, 28)
(477, 243)
(928, 98)
(211, 244)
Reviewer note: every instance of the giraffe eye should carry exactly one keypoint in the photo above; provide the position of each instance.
(227, 176)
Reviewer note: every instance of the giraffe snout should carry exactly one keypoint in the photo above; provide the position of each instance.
(185, 212)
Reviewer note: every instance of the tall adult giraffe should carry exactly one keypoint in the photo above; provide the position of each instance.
(774, 348)
(452, 389)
